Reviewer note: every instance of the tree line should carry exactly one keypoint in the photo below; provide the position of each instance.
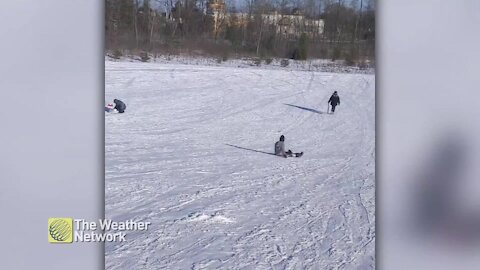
(295, 29)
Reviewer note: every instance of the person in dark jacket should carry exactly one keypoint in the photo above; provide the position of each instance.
(334, 101)
(119, 105)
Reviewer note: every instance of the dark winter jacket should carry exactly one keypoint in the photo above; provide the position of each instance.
(334, 100)
(280, 148)
(119, 105)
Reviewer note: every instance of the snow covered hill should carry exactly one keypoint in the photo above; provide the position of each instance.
(320, 65)
(191, 154)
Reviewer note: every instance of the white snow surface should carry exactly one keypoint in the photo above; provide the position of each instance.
(191, 155)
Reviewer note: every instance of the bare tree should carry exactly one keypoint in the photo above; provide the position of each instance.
(277, 28)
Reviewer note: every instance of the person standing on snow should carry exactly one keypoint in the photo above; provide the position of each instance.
(119, 105)
(280, 149)
(334, 101)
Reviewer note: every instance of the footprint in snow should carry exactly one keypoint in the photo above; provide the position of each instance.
(213, 218)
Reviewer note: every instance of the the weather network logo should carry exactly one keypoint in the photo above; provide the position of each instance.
(60, 230)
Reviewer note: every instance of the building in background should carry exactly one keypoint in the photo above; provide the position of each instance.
(216, 10)
(287, 25)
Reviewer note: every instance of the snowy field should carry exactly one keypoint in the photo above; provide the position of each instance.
(191, 156)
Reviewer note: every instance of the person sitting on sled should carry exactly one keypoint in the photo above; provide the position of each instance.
(280, 149)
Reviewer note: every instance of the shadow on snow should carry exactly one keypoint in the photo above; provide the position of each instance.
(304, 108)
(253, 150)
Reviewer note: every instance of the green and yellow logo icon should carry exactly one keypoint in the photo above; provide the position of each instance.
(60, 230)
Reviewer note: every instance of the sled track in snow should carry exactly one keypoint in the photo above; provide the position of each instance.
(216, 206)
